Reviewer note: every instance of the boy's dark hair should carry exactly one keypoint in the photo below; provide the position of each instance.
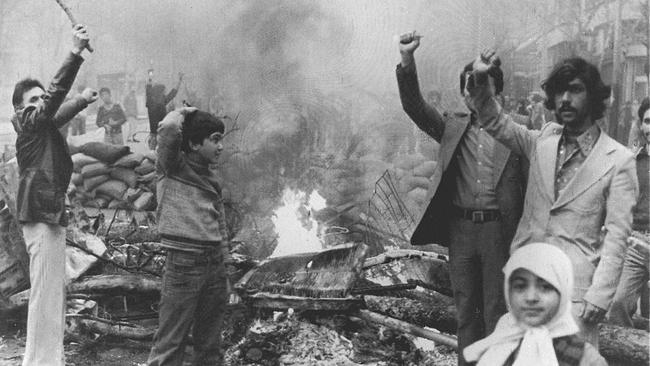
(21, 88)
(495, 72)
(645, 105)
(576, 67)
(104, 90)
(198, 126)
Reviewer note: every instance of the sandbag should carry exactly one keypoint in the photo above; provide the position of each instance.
(113, 188)
(77, 179)
(92, 183)
(129, 161)
(145, 167)
(119, 204)
(95, 169)
(412, 182)
(151, 155)
(425, 169)
(99, 202)
(417, 195)
(147, 177)
(80, 160)
(146, 201)
(132, 194)
(104, 152)
(125, 175)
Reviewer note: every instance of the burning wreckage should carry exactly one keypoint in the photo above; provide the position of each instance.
(319, 298)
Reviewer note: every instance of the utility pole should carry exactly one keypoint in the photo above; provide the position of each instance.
(616, 74)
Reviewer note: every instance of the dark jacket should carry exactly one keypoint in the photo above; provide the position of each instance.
(157, 101)
(433, 223)
(41, 151)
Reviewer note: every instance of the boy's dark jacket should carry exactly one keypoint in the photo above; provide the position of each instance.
(191, 214)
(41, 151)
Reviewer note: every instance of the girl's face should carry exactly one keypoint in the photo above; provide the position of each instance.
(533, 301)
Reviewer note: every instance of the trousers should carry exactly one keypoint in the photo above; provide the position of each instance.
(46, 313)
(477, 254)
(194, 293)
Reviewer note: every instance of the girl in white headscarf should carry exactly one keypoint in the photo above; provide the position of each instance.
(538, 328)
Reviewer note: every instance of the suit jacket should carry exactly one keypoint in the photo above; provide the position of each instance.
(601, 195)
(511, 170)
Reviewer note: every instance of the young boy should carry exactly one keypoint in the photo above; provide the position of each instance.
(111, 117)
(192, 225)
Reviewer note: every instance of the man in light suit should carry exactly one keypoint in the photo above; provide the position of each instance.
(582, 183)
(475, 203)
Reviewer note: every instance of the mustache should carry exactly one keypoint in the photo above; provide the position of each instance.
(567, 108)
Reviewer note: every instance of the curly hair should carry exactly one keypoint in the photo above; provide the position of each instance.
(576, 67)
(636, 138)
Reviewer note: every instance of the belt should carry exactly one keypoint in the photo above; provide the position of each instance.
(477, 216)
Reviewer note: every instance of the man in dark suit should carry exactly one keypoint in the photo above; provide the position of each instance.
(475, 201)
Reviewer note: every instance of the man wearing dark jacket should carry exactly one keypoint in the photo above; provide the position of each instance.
(157, 101)
(45, 169)
(475, 201)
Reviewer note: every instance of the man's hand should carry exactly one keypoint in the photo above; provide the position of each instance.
(592, 313)
(80, 38)
(477, 85)
(184, 111)
(408, 43)
(89, 95)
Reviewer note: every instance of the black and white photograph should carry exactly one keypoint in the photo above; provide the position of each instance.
(324, 182)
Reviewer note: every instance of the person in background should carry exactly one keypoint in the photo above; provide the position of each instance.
(538, 328)
(475, 202)
(192, 224)
(45, 169)
(157, 100)
(537, 117)
(111, 117)
(78, 122)
(582, 184)
(131, 112)
(625, 122)
(637, 259)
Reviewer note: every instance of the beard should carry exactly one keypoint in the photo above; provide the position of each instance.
(574, 119)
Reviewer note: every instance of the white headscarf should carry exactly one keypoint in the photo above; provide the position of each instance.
(551, 264)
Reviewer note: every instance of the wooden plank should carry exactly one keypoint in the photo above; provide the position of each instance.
(278, 301)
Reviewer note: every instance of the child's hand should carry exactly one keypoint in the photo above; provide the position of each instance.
(592, 313)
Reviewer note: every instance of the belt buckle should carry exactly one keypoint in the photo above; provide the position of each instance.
(478, 217)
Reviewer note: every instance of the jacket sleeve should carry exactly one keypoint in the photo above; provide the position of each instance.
(621, 197)
(171, 95)
(101, 115)
(427, 118)
(169, 142)
(500, 125)
(33, 118)
(69, 110)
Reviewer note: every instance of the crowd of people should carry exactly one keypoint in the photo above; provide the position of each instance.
(546, 221)
(558, 197)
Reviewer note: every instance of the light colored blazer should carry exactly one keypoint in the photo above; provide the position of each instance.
(590, 219)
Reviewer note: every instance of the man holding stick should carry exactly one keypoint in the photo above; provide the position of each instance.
(45, 169)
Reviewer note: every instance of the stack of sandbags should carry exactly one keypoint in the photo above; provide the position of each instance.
(414, 175)
(110, 176)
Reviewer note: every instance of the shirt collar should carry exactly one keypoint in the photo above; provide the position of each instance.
(586, 140)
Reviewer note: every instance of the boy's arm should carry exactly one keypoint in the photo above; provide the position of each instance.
(170, 137)
(171, 95)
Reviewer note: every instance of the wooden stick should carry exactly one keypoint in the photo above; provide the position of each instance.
(409, 328)
(68, 12)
